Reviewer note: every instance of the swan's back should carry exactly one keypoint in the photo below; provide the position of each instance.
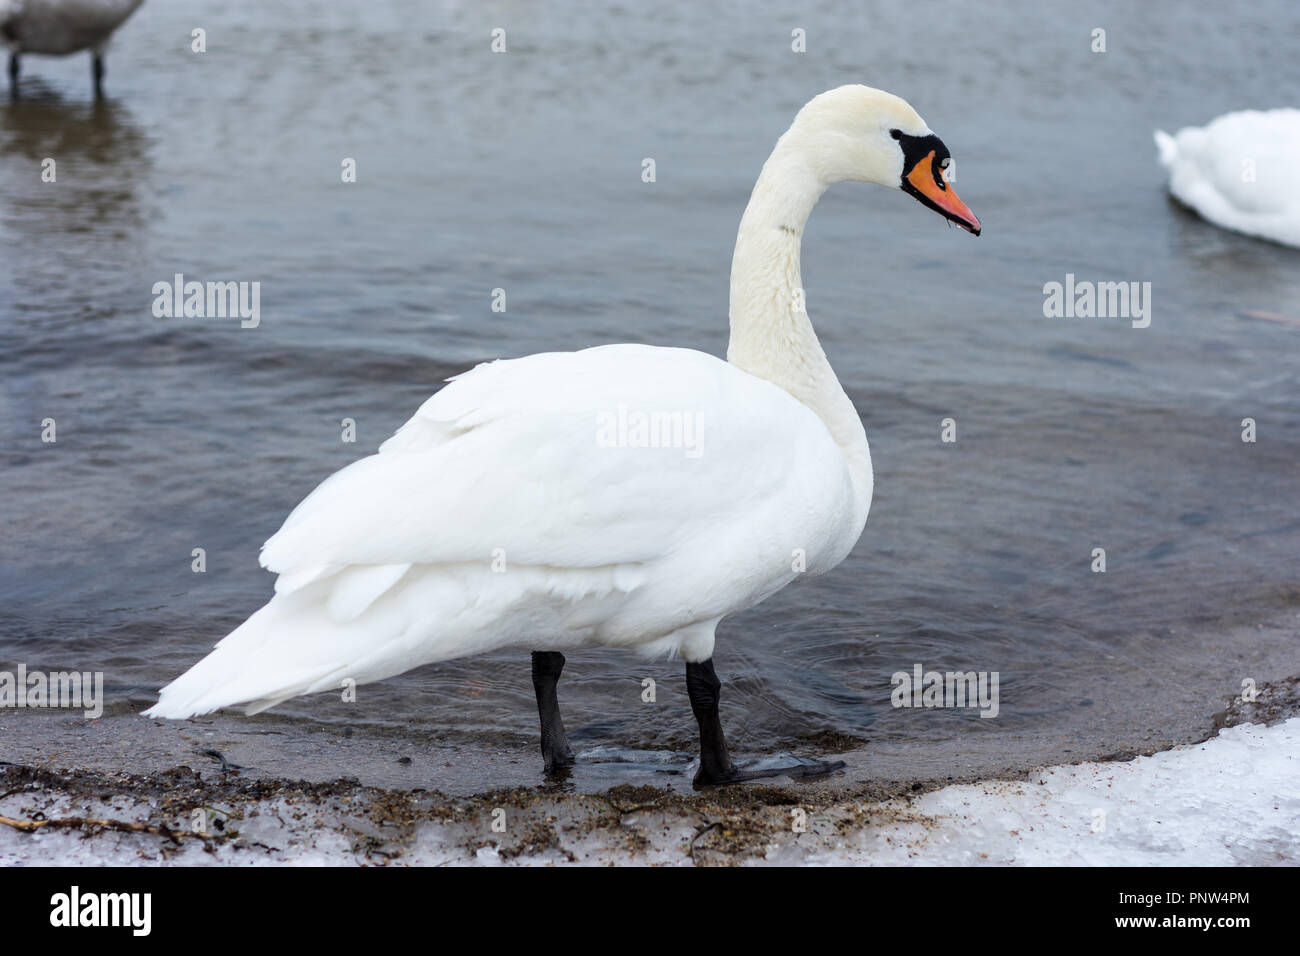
(1239, 171)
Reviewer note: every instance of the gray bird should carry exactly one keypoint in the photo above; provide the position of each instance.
(60, 27)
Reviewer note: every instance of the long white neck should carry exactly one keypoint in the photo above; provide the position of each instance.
(771, 335)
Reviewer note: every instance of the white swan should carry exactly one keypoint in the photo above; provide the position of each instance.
(60, 27)
(524, 504)
(1239, 172)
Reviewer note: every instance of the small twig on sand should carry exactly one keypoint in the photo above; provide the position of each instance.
(699, 832)
(123, 825)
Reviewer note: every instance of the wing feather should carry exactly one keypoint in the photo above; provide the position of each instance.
(506, 463)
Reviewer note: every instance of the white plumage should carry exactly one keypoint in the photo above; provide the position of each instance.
(1239, 172)
(520, 505)
(497, 515)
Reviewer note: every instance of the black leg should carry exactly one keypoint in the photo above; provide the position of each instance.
(97, 71)
(547, 666)
(13, 73)
(704, 690)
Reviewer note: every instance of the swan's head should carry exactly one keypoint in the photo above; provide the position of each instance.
(865, 135)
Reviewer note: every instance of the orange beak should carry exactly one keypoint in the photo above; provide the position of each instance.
(928, 185)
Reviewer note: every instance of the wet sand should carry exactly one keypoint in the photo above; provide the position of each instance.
(133, 795)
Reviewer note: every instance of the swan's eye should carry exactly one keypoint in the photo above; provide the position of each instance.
(896, 133)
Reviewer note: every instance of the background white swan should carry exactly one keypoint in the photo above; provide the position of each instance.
(524, 504)
(1239, 172)
(60, 27)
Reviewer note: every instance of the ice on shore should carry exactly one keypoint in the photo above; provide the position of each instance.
(1232, 800)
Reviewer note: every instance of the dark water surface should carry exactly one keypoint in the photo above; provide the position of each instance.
(522, 171)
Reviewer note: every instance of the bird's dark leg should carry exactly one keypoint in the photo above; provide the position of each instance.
(13, 73)
(97, 72)
(547, 666)
(704, 690)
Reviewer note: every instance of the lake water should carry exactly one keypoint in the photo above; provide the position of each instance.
(522, 171)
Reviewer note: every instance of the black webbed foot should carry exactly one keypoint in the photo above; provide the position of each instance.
(801, 770)
(716, 768)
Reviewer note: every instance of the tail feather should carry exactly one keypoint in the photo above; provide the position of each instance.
(310, 640)
(260, 664)
(368, 623)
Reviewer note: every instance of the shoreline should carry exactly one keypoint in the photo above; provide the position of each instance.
(247, 817)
